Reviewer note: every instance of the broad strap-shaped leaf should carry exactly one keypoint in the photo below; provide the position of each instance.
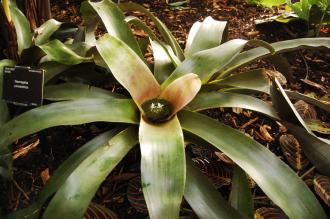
(240, 194)
(167, 49)
(91, 22)
(163, 66)
(128, 69)
(72, 199)
(280, 184)
(209, 100)
(280, 47)
(203, 197)
(205, 35)
(71, 91)
(163, 167)
(164, 31)
(59, 52)
(317, 151)
(45, 31)
(284, 107)
(206, 63)
(256, 80)
(22, 28)
(310, 100)
(114, 22)
(181, 91)
(68, 113)
(52, 69)
(61, 174)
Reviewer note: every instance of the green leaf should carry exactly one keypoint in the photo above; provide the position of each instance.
(163, 64)
(134, 75)
(240, 194)
(284, 107)
(163, 167)
(166, 34)
(310, 100)
(181, 91)
(114, 21)
(91, 21)
(256, 80)
(76, 193)
(270, 173)
(52, 69)
(270, 3)
(5, 5)
(316, 150)
(206, 63)
(211, 100)
(68, 113)
(61, 174)
(280, 47)
(45, 31)
(204, 198)
(59, 52)
(71, 91)
(22, 28)
(167, 49)
(205, 35)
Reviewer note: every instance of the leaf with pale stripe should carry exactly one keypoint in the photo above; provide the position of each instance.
(210, 34)
(211, 100)
(280, 47)
(166, 34)
(128, 69)
(71, 91)
(22, 28)
(114, 22)
(74, 196)
(163, 167)
(204, 198)
(68, 113)
(296, 200)
(59, 52)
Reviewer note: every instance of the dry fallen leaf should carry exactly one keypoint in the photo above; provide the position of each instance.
(45, 175)
(265, 134)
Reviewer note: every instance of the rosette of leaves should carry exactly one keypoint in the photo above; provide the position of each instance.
(161, 113)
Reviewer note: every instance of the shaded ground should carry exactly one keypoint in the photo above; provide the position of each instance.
(56, 144)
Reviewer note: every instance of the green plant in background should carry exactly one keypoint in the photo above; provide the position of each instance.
(161, 114)
(315, 12)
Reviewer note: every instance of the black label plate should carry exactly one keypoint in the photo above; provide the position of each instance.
(23, 85)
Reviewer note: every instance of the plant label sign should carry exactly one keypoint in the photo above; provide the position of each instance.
(23, 85)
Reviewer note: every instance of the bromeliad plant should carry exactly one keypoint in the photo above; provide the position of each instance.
(161, 114)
